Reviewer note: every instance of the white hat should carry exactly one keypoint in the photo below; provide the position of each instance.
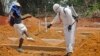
(13, 4)
(56, 7)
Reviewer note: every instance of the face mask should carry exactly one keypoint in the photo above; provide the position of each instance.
(57, 9)
(17, 7)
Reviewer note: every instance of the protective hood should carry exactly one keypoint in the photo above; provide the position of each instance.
(56, 8)
(15, 3)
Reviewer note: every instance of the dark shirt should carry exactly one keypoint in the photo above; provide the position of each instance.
(16, 13)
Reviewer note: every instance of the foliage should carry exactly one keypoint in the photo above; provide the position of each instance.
(43, 7)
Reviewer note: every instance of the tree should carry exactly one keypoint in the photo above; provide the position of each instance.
(1, 9)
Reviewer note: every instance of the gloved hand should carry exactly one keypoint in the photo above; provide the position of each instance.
(76, 18)
(49, 25)
(69, 27)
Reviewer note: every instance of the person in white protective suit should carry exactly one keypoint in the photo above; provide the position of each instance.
(68, 17)
(15, 20)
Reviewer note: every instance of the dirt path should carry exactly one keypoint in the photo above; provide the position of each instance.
(87, 39)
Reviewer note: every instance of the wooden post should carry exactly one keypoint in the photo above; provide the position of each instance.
(45, 19)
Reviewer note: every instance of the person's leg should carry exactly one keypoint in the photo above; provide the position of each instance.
(69, 39)
(27, 35)
(20, 42)
(25, 32)
(21, 39)
(23, 29)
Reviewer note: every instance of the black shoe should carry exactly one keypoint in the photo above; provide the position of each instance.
(68, 54)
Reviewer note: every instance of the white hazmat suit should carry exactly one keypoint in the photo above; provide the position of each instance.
(65, 15)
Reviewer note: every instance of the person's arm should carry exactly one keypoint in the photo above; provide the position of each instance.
(74, 14)
(26, 16)
(56, 18)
